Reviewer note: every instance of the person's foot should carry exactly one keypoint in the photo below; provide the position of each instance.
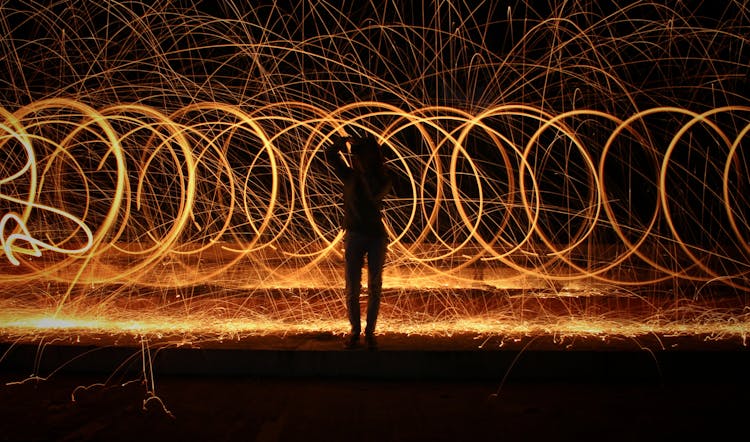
(352, 341)
(372, 343)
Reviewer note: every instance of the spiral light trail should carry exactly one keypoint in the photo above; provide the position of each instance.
(162, 170)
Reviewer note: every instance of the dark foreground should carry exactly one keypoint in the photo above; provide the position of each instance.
(305, 388)
(206, 408)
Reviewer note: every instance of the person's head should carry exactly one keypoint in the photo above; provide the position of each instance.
(366, 155)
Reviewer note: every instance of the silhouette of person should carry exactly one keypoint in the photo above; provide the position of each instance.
(365, 184)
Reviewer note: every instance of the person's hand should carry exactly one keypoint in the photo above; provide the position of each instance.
(339, 143)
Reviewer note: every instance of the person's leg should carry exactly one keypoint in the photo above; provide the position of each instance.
(354, 255)
(375, 261)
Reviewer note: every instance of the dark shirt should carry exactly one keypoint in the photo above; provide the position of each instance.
(363, 196)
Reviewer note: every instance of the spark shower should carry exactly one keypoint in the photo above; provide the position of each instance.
(163, 161)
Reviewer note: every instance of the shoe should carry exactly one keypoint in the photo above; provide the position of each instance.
(372, 343)
(352, 342)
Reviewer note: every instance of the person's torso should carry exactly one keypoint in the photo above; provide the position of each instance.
(362, 213)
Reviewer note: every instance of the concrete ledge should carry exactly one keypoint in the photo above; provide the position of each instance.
(517, 365)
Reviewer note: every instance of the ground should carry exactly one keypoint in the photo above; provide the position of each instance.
(681, 403)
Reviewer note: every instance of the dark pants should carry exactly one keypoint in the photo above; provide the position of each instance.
(357, 246)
